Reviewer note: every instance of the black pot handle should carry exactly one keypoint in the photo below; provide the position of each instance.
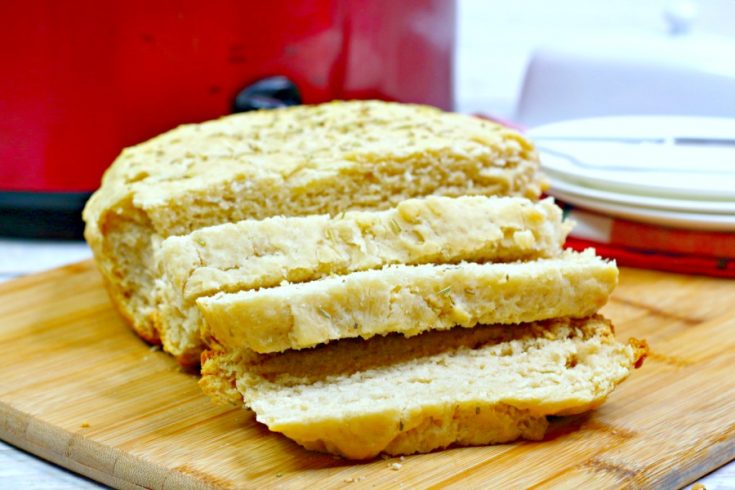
(267, 93)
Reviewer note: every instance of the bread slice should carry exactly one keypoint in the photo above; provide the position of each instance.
(408, 299)
(253, 254)
(293, 162)
(489, 384)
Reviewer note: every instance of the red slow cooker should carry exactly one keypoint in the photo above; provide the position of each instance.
(81, 80)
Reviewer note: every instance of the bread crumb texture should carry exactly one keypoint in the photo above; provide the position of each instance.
(369, 277)
(409, 299)
(490, 384)
(254, 254)
(296, 161)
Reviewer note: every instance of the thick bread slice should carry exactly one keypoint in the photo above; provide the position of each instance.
(408, 299)
(489, 384)
(263, 253)
(294, 162)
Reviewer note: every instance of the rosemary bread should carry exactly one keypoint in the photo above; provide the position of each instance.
(408, 299)
(489, 384)
(254, 254)
(296, 161)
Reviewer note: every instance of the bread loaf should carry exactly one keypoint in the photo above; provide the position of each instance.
(294, 162)
(254, 254)
(330, 256)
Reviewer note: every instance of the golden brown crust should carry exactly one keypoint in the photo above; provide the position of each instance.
(217, 380)
(257, 254)
(390, 394)
(641, 350)
(410, 300)
(297, 161)
(426, 430)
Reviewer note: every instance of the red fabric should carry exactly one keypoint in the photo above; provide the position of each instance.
(672, 262)
(671, 240)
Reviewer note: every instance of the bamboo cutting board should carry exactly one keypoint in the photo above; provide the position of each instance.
(79, 389)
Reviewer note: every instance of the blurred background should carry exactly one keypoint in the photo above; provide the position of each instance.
(496, 42)
(632, 107)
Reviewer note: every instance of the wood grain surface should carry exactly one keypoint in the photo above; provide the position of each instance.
(79, 389)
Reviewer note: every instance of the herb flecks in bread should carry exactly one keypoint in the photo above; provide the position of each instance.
(355, 285)
(410, 300)
(294, 162)
(254, 254)
(489, 384)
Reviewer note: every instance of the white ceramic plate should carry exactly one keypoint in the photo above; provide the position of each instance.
(676, 219)
(661, 156)
(670, 204)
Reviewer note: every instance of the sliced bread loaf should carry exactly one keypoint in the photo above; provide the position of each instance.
(254, 254)
(488, 384)
(408, 299)
(295, 161)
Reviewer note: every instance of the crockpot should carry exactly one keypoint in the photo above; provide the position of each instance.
(81, 80)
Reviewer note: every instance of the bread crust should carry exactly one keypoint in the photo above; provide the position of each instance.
(296, 161)
(410, 300)
(489, 384)
(255, 254)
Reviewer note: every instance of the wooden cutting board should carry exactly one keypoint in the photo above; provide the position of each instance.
(79, 389)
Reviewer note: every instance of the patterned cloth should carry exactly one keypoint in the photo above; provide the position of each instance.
(653, 247)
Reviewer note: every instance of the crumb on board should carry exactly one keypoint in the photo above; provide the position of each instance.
(354, 479)
(84, 425)
(395, 466)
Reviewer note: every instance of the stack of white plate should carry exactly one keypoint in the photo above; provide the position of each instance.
(664, 170)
